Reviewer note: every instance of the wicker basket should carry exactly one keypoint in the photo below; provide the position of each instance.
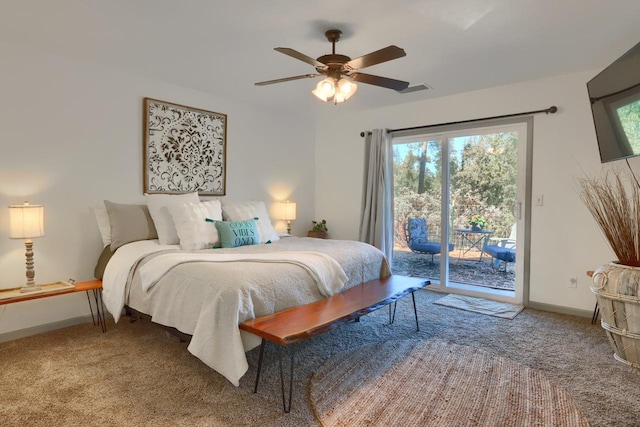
(616, 287)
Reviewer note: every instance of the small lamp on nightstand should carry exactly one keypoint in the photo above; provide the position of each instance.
(288, 213)
(27, 222)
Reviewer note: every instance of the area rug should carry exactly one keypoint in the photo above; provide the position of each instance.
(481, 305)
(435, 383)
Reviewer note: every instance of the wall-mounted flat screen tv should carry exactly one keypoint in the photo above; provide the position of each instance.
(615, 104)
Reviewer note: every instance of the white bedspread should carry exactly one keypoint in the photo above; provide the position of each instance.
(208, 300)
(116, 274)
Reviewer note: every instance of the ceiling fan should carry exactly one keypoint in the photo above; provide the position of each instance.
(342, 71)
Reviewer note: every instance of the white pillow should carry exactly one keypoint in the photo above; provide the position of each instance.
(104, 225)
(193, 229)
(242, 211)
(158, 205)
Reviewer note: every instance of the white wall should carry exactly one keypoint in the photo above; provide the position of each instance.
(565, 240)
(72, 136)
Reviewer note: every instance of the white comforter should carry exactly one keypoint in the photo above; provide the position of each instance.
(120, 267)
(209, 299)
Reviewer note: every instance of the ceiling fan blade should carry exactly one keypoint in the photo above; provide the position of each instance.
(383, 55)
(301, 56)
(379, 81)
(286, 79)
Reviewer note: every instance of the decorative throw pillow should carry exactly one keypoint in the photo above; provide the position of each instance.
(241, 211)
(129, 223)
(104, 225)
(238, 233)
(159, 209)
(190, 222)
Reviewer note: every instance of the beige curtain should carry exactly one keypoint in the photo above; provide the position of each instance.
(376, 222)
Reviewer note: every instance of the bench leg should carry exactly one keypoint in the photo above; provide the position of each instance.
(262, 344)
(286, 403)
(392, 316)
(415, 311)
(97, 295)
(100, 318)
(286, 406)
(392, 313)
(93, 320)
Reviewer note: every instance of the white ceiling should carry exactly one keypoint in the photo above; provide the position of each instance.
(223, 47)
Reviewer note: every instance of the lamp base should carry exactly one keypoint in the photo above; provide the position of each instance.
(30, 288)
(31, 284)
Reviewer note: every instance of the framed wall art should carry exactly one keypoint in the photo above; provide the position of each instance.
(184, 149)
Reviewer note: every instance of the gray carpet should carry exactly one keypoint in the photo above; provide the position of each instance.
(135, 374)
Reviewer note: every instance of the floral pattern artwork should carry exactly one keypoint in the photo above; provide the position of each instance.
(184, 149)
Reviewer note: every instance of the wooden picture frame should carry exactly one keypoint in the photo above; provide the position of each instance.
(184, 149)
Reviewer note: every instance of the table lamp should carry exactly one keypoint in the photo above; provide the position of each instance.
(27, 222)
(288, 213)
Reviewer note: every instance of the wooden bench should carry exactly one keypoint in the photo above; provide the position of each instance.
(299, 323)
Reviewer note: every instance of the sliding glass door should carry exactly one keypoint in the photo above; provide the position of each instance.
(459, 207)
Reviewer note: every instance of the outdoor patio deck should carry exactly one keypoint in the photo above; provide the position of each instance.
(466, 269)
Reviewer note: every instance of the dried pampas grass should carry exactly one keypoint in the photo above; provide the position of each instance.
(614, 203)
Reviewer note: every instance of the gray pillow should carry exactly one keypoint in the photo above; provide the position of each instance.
(105, 256)
(129, 223)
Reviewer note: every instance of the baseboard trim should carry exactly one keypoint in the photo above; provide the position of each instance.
(47, 327)
(559, 309)
(531, 304)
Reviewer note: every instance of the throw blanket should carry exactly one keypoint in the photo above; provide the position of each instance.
(324, 270)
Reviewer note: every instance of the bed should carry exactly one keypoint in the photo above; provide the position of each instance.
(207, 293)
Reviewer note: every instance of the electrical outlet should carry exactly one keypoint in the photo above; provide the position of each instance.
(539, 200)
(573, 282)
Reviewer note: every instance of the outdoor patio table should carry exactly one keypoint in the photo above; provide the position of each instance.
(475, 239)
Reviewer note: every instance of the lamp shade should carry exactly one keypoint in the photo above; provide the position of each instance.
(325, 89)
(26, 221)
(288, 211)
(346, 88)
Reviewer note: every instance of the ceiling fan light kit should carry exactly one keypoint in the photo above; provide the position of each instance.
(342, 72)
(327, 90)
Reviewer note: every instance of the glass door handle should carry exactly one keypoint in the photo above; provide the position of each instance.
(517, 210)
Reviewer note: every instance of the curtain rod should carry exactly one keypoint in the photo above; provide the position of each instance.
(551, 110)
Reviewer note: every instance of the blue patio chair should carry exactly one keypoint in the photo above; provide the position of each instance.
(502, 250)
(417, 237)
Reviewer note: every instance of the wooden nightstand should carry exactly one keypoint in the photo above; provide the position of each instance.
(10, 296)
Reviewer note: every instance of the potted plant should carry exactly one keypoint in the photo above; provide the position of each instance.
(319, 229)
(477, 222)
(614, 202)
